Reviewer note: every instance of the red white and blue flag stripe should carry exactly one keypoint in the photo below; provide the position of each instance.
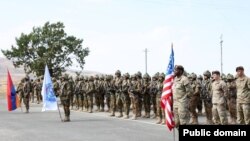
(167, 95)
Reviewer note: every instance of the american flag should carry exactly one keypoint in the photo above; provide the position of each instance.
(167, 95)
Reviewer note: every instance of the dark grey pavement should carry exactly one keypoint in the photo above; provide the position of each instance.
(46, 126)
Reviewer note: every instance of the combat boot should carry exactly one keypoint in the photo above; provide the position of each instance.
(27, 111)
(126, 117)
(120, 115)
(91, 110)
(154, 116)
(163, 122)
(98, 109)
(66, 119)
(209, 122)
(159, 121)
(102, 110)
(112, 114)
(233, 121)
(194, 121)
(139, 114)
(147, 115)
(134, 117)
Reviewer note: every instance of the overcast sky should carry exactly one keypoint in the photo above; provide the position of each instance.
(117, 31)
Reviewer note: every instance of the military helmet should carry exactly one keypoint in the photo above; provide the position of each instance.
(118, 72)
(65, 76)
(23, 80)
(194, 76)
(230, 76)
(41, 77)
(162, 75)
(96, 77)
(108, 77)
(146, 76)
(223, 76)
(102, 77)
(91, 78)
(126, 75)
(139, 74)
(207, 73)
(189, 76)
(53, 79)
(200, 77)
(133, 76)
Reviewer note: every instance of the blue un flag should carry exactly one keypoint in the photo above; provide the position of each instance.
(49, 98)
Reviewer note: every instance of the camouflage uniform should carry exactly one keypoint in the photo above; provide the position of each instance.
(110, 95)
(37, 90)
(196, 86)
(153, 92)
(56, 87)
(231, 101)
(160, 111)
(71, 84)
(102, 92)
(65, 96)
(140, 96)
(206, 96)
(243, 100)
(199, 106)
(134, 91)
(219, 94)
(84, 89)
(118, 92)
(20, 90)
(182, 91)
(32, 96)
(79, 93)
(26, 92)
(97, 93)
(146, 94)
(125, 96)
(90, 90)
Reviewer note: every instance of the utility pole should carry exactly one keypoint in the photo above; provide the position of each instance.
(146, 60)
(221, 53)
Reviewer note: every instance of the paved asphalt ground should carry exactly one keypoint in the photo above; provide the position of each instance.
(46, 126)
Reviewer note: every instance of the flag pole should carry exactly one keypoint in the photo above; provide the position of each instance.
(59, 111)
(174, 134)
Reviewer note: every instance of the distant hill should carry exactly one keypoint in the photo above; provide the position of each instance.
(18, 73)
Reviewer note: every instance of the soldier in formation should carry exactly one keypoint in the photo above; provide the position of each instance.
(141, 94)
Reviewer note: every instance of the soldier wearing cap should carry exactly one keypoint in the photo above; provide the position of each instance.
(182, 91)
(243, 97)
(219, 95)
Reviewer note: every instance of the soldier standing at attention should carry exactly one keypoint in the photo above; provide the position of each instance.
(243, 97)
(146, 95)
(20, 90)
(65, 97)
(90, 90)
(26, 91)
(231, 101)
(118, 89)
(219, 94)
(182, 91)
(160, 111)
(206, 96)
(194, 100)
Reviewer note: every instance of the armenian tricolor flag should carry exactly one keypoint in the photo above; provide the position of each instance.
(12, 98)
